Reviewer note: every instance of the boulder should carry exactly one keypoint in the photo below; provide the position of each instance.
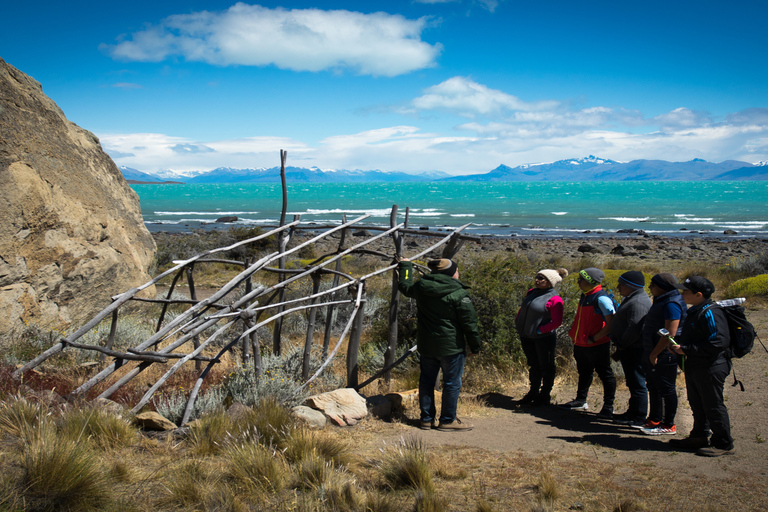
(152, 420)
(379, 406)
(312, 418)
(342, 406)
(72, 234)
(227, 219)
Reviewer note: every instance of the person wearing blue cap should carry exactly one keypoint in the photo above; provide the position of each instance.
(626, 335)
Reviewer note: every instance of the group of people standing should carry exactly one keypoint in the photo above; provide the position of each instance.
(651, 337)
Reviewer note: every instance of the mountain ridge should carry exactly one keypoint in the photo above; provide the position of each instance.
(589, 168)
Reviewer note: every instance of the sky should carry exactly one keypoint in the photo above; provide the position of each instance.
(459, 86)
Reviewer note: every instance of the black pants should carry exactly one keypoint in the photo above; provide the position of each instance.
(662, 387)
(595, 359)
(540, 354)
(632, 362)
(704, 385)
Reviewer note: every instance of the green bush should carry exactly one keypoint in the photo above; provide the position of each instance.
(750, 287)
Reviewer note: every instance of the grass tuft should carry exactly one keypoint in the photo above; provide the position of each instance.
(406, 465)
(60, 473)
(107, 430)
(256, 467)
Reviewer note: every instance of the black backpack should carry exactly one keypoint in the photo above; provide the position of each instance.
(742, 334)
(741, 330)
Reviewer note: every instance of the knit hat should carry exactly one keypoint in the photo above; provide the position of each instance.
(554, 277)
(698, 284)
(592, 275)
(633, 278)
(443, 266)
(665, 281)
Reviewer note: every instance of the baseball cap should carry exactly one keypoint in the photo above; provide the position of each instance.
(697, 284)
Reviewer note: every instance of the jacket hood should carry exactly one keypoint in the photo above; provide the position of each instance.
(439, 285)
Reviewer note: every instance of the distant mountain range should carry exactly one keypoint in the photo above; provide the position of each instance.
(579, 169)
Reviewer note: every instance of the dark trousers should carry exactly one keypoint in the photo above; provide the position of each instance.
(595, 359)
(453, 369)
(540, 355)
(631, 359)
(662, 389)
(704, 385)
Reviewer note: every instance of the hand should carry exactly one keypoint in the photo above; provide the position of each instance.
(471, 354)
(404, 259)
(677, 349)
(654, 359)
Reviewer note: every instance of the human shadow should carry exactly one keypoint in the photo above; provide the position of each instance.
(584, 426)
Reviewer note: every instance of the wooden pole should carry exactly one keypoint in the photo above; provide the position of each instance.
(330, 312)
(310, 329)
(394, 300)
(282, 243)
(353, 348)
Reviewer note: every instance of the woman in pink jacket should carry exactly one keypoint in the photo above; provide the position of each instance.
(540, 314)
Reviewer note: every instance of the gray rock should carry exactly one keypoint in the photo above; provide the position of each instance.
(589, 248)
(311, 417)
(227, 219)
(72, 234)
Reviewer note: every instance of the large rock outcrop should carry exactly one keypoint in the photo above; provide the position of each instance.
(71, 232)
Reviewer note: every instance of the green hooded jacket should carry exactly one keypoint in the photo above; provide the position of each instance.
(447, 321)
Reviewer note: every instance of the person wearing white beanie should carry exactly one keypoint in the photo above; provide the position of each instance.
(540, 314)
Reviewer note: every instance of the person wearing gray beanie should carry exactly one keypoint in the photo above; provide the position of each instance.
(537, 320)
(626, 336)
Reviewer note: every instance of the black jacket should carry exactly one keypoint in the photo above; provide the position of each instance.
(705, 338)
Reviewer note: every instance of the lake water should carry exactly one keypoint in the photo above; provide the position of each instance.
(502, 208)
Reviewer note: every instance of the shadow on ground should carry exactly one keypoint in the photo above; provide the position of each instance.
(586, 427)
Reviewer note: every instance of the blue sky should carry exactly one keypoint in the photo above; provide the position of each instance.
(458, 86)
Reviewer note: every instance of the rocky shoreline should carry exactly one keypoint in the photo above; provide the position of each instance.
(650, 249)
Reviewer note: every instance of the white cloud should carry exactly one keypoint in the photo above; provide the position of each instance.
(469, 98)
(299, 39)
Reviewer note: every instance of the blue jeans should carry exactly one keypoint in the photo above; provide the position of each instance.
(632, 363)
(453, 369)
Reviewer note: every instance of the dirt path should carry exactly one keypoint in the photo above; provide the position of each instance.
(509, 428)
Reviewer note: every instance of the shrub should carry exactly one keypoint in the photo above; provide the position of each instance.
(749, 287)
(270, 421)
(206, 435)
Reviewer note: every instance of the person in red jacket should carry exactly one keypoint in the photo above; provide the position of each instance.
(592, 348)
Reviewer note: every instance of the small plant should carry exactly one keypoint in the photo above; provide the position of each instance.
(255, 466)
(406, 465)
(17, 416)
(759, 439)
(430, 502)
(749, 287)
(206, 435)
(107, 430)
(61, 473)
(548, 488)
(270, 420)
(312, 471)
(304, 442)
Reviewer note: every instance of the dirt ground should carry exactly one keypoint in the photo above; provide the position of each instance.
(507, 429)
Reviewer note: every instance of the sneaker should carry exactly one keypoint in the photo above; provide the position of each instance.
(690, 443)
(711, 451)
(606, 413)
(529, 398)
(454, 426)
(645, 425)
(576, 405)
(628, 419)
(660, 430)
(427, 425)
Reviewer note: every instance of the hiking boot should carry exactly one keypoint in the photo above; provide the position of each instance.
(606, 413)
(690, 443)
(455, 426)
(660, 430)
(542, 400)
(646, 424)
(529, 398)
(712, 451)
(628, 419)
(427, 425)
(576, 405)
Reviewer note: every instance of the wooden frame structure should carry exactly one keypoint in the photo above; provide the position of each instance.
(183, 332)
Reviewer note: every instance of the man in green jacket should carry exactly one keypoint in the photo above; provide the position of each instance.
(446, 334)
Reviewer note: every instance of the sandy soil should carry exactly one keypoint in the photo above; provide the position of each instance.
(553, 430)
